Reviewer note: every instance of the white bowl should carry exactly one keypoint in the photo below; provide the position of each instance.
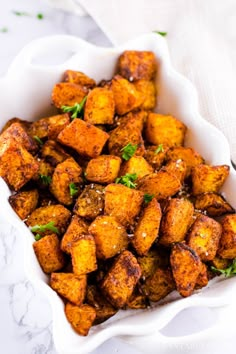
(25, 93)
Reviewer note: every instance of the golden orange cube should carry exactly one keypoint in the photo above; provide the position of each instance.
(76, 228)
(24, 203)
(90, 203)
(136, 164)
(80, 317)
(83, 254)
(79, 78)
(103, 169)
(227, 247)
(159, 285)
(100, 106)
(67, 94)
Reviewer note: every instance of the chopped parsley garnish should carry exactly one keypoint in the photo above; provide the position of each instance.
(231, 270)
(40, 16)
(4, 30)
(37, 237)
(20, 13)
(163, 34)
(128, 151)
(47, 227)
(39, 141)
(148, 197)
(76, 110)
(46, 180)
(159, 149)
(73, 189)
(128, 180)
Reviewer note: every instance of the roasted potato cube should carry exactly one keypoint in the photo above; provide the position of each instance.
(72, 287)
(133, 120)
(137, 300)
(104, 309)
(126, 97)
(227, 247)
(147, 89)
(135, 65)
(17, 165)
(161, 184)
(109, 235)
(79, 78)
(81, 317)
(18, 133)
(53, 153)
(100, 106)
(220, 263)
(90, 203)
(66, 173)
(206, 178)
(164, 129)
(49, 254)
(187, 154)
(44, 173)
(56, 124)
(159, 285)
(77, 227)
(202, 279)
(103, 169)
(176, 221)
(157, 257)
(120, 281)
(83, 254)
(51, 213)
(204, 237)
(155, 155)
(83, 137)
(186, 267)
(123, 203)
(39, 128)
(24, 203)
(67, 94)
(213, 204)
(177, 168)
(138, 165)
(146, 231)
(24, 123)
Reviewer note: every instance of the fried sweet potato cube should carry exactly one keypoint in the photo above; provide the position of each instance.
(53, 153)
(100, 106)
(103, 169)
(138, 165)
(135, 65)
(191, 157)
(202, 279)
(66, 173)
(159, 285)
(177, 168)
(206, 178)
(155, 258)
(213, 204)
(186, 267)
(176, 221)
(90, 203)
(104, 309)
(49, 254)
(24, 123)
(67, 94)
(84, 138)
(44, 173)
(24, 203)
(81, 317)
(72, 287)
(110, 236)
(137, 300)
(133, 120)
(147, 90)
(39, 128)
(164, 129)
(126, 97)
(77, 227)
(56, 124)
(227, 247)
(121, 279)
(220, 263)
(155, 155)
(51, 213)
(17, 165)
(204, 237)
(18, 133)
(146, 231)
(161, 184)
(79, 78)
(122, 203)
(83, 254)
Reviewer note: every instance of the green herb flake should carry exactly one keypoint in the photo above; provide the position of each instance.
(159, 149)
(163, 34)
(20, 13)
(46, 180)
(4, 30)
(128, 180)
(76, 110)
(37, 237)
(73, 189)
(231, 270)
(128, 151)
(148, 197)
(47, 227)
(40, 16)
(39, 141)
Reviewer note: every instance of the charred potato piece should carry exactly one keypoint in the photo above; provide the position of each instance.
(90, 203)
(49, 254)
(137, 300)
(103, 169)
(155, 258)
(133, 120)
(77, 227)
(146, 231)
(159, 285)
(227, 247)
(109, 235)
(203, 278)
(44, 173)
(67, 94)
(213, 204)
(204, 237)
(53, 153)
(81, 317)
(155, 155)
(24, 123)
(176, 221)
(220, 263)
(24, 203)
(56, 124)
(100, 106)
(186, 267)
(16, 132)
(147, 90)
(138, 165)
(84, 138)
(177, 168)
(206, 178)
(66, 173)
(121, 279)
(83, 254)
(122, 203)
(135, 65)
(39, 128)
(164, 129)
(70, 286)
(79, 78)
